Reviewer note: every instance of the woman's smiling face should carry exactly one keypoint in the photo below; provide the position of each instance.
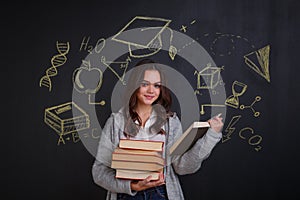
(149, 88)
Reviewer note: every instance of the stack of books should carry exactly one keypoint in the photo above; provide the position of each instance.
(137, 159)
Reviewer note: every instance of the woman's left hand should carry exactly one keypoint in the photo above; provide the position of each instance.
(216, 123)
(147, 183)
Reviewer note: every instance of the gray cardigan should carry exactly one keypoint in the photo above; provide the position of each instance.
(188, 163)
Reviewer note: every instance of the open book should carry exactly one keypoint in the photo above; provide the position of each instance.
(189, 138)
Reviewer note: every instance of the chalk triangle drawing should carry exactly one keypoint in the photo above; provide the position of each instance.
(259, 62)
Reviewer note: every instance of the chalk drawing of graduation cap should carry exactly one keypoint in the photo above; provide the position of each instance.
(146, 37)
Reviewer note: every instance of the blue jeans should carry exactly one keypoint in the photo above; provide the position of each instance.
(155, 193)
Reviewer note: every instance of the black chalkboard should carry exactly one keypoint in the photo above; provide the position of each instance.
(249, 72)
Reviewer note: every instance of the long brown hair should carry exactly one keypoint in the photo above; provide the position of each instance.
(161, 106)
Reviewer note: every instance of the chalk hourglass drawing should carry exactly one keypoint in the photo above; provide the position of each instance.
(238, 89)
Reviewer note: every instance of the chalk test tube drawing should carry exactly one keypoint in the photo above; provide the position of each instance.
(65, 119)
(88, 80)
(149, 40)
(255, 113)
(238, 89)
(56, 61)
(259, 62)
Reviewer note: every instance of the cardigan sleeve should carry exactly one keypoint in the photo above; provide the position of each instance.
(103, 175)
(191, 161)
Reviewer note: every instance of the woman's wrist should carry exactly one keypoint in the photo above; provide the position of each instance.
(133, 186)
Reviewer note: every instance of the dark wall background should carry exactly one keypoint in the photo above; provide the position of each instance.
(36, 167)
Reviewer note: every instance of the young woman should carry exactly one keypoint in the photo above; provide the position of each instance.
(148, 117)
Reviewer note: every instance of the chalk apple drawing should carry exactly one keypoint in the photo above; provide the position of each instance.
(87, 71)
